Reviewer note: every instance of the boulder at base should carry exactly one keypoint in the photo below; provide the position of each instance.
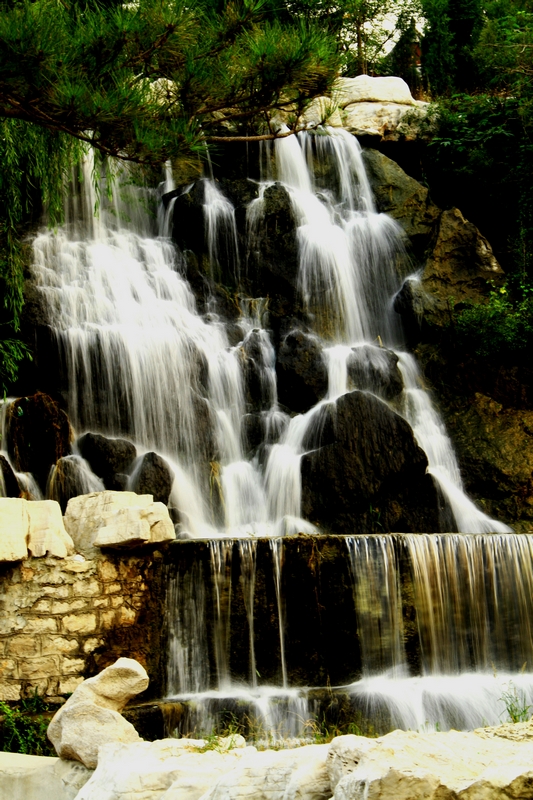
(91, 716)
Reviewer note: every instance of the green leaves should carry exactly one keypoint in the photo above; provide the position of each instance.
(149, 81)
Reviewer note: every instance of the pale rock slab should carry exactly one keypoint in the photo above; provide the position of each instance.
(47, 534)
(441, 766)
(170, 769)
(91, 716)
(14, 524)
(386, 121)
(364, 89)
(322, 111)
(25, 777)
(109, 516)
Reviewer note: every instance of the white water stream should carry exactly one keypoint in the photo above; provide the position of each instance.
(137, 353)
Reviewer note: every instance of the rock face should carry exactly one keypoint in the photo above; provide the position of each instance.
(38, 433)
(461, 266)
(109, 458)
(36, 526)
(153, 476)
(301, 372)
(403, 198)
(444, 766)
(117, 519)
(91, 716)
(368, 473)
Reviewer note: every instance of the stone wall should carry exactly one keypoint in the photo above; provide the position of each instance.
(63, 620)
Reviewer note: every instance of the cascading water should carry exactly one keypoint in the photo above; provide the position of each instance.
(140, 361)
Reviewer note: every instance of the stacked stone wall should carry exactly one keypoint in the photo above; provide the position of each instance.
(63, 620)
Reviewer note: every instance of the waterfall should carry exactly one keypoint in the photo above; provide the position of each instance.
(140, 361)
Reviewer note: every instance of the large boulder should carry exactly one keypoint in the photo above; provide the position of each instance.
(91, 716)
(444, 766)
(109, 458)
(364, 88)
(301, 371)
(34, 526)
(38, 432)
(367, 473)
(116, 519)
(153, 476)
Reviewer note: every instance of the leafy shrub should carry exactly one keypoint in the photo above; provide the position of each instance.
(501, 327)
(23, 729)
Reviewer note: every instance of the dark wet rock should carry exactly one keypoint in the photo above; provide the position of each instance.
(71, 477)
(375, 369)
(38, 434)
(11, 486)
(107, 457)
(403, 198)
(153, 476)
(253, 432)
(259, 379)
(369, 475)
(301, 371)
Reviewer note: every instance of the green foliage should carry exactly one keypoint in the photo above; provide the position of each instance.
(12, 351)
(451, 35)
(23, 729)
(502, 327)
(515, 704)
(148, 81)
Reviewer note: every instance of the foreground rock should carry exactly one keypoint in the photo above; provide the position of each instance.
(170, 769)
(117, 519)
(91, 716)
(34, 526)
(25, 777)
(444, 766)
(399, 766)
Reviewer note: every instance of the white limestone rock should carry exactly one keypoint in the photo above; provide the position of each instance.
(386, 121)
(441, 766)
(116, 519)
(323, 110)
(47, 534)
(364, 89)
(170, 769)
(35, 525)
(91, 716)
(24, 777)
(14, 525)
